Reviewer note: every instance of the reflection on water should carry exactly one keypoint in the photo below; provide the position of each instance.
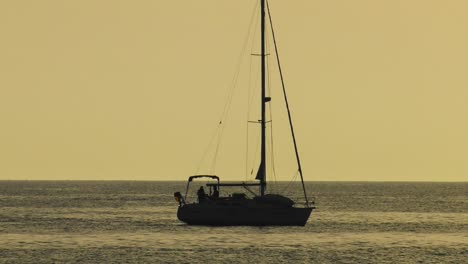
(135, 222)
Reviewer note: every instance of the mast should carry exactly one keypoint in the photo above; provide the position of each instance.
(262, 169)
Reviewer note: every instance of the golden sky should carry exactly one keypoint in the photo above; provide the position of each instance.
(133, 90)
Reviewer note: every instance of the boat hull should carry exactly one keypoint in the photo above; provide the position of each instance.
(232, 215)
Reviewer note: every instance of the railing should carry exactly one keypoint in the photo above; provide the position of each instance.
(301, 202)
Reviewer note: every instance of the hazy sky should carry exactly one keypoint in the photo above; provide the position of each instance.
(133, 90)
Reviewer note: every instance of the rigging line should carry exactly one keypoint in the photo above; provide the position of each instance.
(270, 110)
(269, 84)
(250, 98)
(213, 137)
(218, 131)
(287, 104)
(239, 61)
(247, 141)
(231, 89)
(257, 147)
(269, 129)
(247, 124)
(253, 83)
(253, 46)
(290, 182)
(236, 74)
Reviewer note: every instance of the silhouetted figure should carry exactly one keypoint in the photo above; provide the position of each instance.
(215, 193)
(179, 198)
(201, 194)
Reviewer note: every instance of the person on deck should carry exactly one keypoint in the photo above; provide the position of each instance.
(215, 194)
(201, 194)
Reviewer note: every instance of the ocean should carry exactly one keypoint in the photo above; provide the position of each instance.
(135, 222)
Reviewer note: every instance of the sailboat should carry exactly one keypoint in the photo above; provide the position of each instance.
(264, 208)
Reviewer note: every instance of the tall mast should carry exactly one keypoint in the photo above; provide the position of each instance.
(262, 169)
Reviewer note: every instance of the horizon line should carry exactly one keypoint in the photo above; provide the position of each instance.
(120, 180)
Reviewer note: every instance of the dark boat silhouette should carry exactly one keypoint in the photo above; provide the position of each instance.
(263, 209)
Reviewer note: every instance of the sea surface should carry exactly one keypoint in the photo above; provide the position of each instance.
(135, 222)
